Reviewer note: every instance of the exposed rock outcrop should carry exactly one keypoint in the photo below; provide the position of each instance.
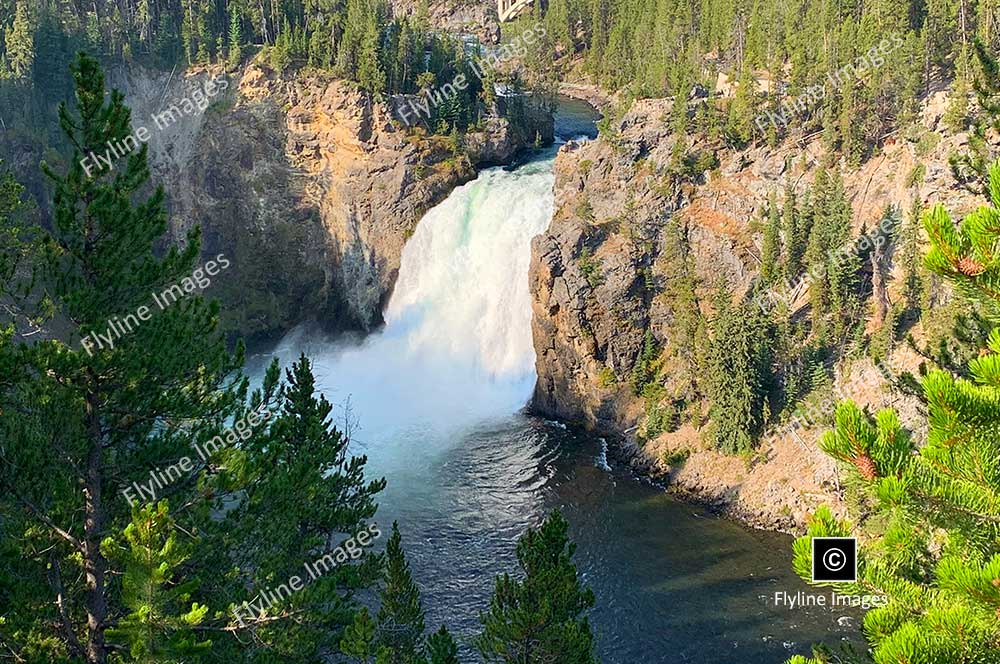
(460, 16)
(601, 272)
(307, 184)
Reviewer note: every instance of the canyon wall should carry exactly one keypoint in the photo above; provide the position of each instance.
(604, 276)
(307, 184)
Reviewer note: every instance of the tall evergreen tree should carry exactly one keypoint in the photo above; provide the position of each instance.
(794, 236)
(770, 266)
(106, 408)
(739, 373)
(539, 618)
(399, 625)
(20, 43)
(235, 39)
(161, 619)
(441, 648)
(84, 424)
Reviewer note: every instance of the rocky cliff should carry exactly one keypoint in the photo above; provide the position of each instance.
(630, 226)
(307, 184)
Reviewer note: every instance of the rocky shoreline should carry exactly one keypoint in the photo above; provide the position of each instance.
(602, 275)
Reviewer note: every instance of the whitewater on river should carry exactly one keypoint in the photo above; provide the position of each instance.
(438, 399)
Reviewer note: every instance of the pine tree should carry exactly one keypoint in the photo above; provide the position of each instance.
(266, 497)
(400, 620)
(739, 373)
(97, 403)
(910, 254)
(359, 637)
(12, 231)
(931, 542)
(770, 266)
(794, 237)
(20, 43)
(441, 648)
(235, 38)
(539, 618)
(971, 167)
(371, 76)
(298, 484)
(850, 142)
(956, 117)
(743, 108)
(159, 627)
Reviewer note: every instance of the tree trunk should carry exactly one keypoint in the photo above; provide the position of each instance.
(94, 564)
(880, 295)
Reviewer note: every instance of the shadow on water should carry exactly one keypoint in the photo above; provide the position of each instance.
(436, 394)
(673, 582)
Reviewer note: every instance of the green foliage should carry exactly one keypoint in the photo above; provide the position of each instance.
(441, 648)
(399, 625)
(590, 267)
(739, 373)
(156, 628)
(19, 55)
(675, 457)
(15, 234)
(796, 226)
(917, 175)
(770, 267)
(539, 618)
(971, 166)
(646, 364)
(235, 39)
(606, 377)
(662, 412)
(927, 142)
(271, 482)
(966, 255)
(931, 542)
(359, 637)
(833, 261)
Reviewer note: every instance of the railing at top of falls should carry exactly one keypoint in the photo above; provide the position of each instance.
(509, 9)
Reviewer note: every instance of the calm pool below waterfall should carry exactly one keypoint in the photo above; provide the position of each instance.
(438, 395)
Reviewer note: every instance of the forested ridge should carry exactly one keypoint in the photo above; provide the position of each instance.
(93, 578)
(892, 52)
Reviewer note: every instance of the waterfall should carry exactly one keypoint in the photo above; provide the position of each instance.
(456, 349)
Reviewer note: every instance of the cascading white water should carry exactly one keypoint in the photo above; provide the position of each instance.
(436, 394)
(456, 349)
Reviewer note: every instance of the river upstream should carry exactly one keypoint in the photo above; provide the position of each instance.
(438, 396)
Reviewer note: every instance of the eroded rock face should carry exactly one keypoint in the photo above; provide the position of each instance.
(477, 17)
(307, 185)
(601, 273)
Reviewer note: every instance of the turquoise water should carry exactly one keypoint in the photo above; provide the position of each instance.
(436, 399)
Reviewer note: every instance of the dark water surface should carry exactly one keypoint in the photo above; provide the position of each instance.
(673, 582)
(438, 395)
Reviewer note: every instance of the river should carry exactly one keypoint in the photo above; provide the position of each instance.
(437, 397)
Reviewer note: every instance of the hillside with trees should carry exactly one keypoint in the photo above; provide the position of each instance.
(733, 288)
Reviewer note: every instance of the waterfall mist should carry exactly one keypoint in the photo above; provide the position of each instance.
(456, 349)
